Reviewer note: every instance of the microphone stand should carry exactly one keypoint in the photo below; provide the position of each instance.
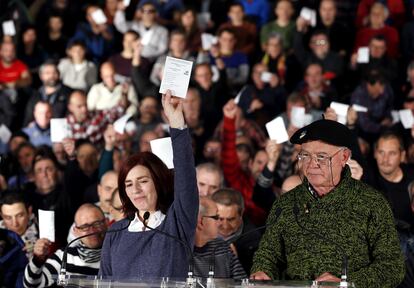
(62, 281)
(191, 281)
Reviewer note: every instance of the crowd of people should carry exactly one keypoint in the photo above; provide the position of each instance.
(92, 62)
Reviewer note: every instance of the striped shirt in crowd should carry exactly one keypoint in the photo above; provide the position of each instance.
(226, 264)
(81, 261)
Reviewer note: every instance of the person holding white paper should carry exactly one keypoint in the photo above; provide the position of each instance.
(375, 94)
(235, 63)
(154, 37)
(237, 162)
(83, 257)
(97, 37)
(147, 186)
(91, 125)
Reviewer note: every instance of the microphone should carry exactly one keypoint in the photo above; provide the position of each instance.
(62, 274)
(191, 281)
(344, 272)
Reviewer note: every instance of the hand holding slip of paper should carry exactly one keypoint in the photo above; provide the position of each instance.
(176, 76)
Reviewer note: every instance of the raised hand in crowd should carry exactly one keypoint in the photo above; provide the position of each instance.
(351, 117)
(136, 57)
(302, 24)
(356, 170)
(215, 52)
(173, 110)
(69, 148)
(41, 250)
(230, 109)
(273, 151)
(109, 137)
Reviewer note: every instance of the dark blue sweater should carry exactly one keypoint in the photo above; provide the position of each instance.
(150, 254)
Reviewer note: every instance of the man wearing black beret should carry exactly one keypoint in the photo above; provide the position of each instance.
(331, 222)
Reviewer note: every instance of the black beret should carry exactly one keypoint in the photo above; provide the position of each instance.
(328, 131)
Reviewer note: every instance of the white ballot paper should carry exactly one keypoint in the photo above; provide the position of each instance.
(9, 28)
(277, 130)
(47, 225)
(176, 76)
(297, 116)
(126, 3)
(395, 116)
(162, 147)
(359, 108)
(5, 134)
(309, 15)
(363, 55)
(266, 76)
(238, 96)
(119, 125)
(341, 111)
(59, 129)
(99, 17)
(146, 38)
(208, 40)
(407, 118)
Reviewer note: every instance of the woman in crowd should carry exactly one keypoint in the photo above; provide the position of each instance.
(146, 185)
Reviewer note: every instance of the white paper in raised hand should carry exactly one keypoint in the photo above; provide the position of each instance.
(277, 130)
(176, 76)
(99, 17)
(359, 108)
(47, 225)
(309, 15)
(59, 129)
(341, 111)
(297, 116)
(208, 40)
(407, 118)
(119, 124)
(162, 147)
(238, 96)
(395, 116)
(266, 76)
(127, 2)
(363, 55)
(146, 38)
(5, 134)
(9, 28)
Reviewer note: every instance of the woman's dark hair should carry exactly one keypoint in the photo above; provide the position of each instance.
(161, 176)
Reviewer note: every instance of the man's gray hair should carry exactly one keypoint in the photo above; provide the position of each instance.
(212, 168)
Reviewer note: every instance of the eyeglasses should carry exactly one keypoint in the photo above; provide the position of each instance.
(86, 227)
(148, 11)
(215, 217)
(321, 159)
(320, 42)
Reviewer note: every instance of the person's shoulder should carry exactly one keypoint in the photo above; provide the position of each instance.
(363, 193)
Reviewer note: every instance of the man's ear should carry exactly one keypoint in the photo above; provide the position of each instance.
(200, 223)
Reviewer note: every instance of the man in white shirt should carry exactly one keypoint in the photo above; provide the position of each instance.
(154, 37)
(106, 94)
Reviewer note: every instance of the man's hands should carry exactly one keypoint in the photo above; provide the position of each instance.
(327, 277)
(173, 110)
(259, 275)
(69, 147)
(41, 249)
(230, 109)
(109, 137)
(273, 152)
